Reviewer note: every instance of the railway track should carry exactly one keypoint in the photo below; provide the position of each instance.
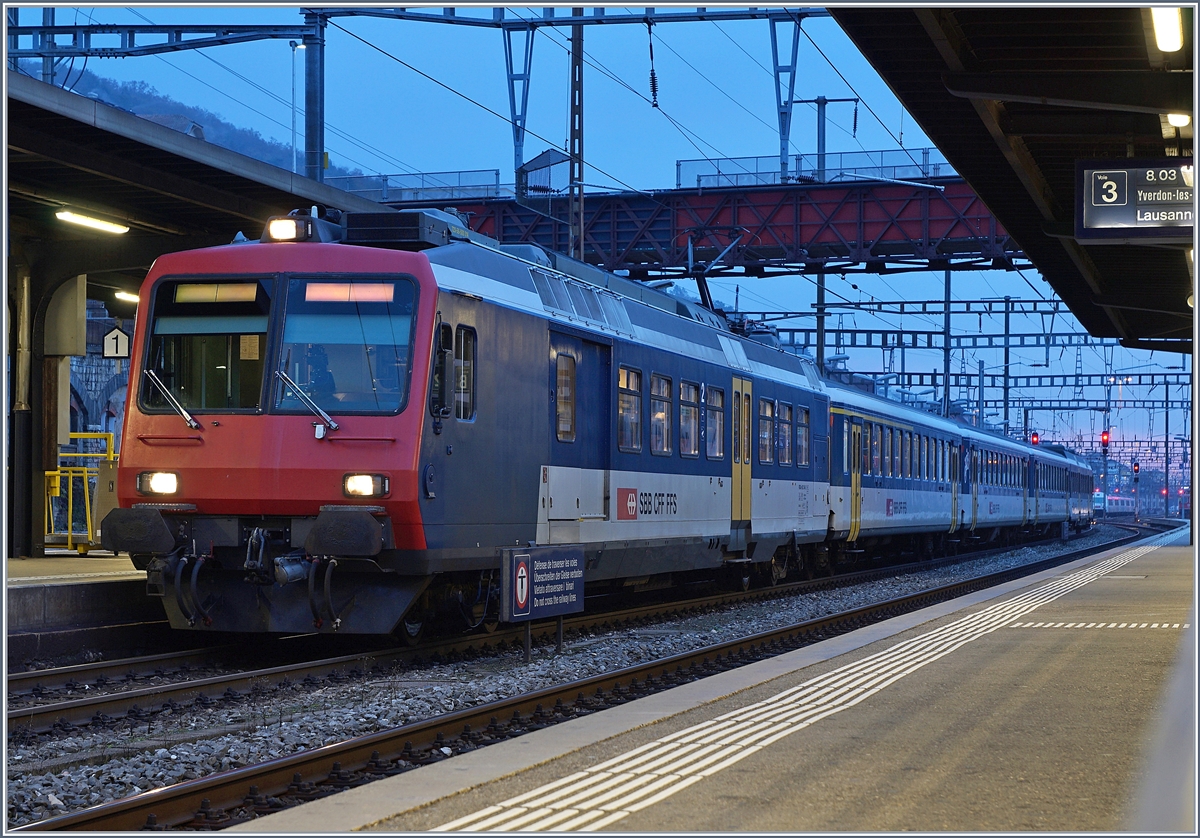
(220, 800)
(105, 692)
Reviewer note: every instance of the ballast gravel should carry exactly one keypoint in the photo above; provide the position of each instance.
(55, 775)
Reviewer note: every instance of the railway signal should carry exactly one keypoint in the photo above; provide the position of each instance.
(1136, 468)
(1034, 439)
(1104, 442)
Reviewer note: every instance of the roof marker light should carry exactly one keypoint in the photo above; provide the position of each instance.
(289, 229)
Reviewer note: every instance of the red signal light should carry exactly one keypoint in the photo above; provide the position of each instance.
(1034, 438)
(1104, 439)
(1136, 468)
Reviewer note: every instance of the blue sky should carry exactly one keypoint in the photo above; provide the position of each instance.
(714, 80)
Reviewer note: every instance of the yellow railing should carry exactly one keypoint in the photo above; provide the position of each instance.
(68, 474)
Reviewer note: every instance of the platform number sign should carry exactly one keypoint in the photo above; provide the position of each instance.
(1149, 201)
(1110, 189)
(116, 344)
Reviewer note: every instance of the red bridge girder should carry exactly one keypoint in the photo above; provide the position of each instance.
(874, 227)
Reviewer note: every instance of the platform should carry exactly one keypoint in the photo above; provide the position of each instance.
(1030, 706)
(51, 602)
(64, 566)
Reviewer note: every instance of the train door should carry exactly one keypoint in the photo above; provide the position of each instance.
(579, 416)
(955, 474)
(820, 441)
(742, 436)
(856, 460)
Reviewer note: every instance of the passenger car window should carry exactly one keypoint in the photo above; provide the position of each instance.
(802, 432)
(785, 434)
(766, 431)
(689, 419)
(876, 453)
(660, 414)
(565, 397)
(714, 421)
(629, 410)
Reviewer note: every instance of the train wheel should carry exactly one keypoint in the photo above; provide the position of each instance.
(777, 571)
(824, 561)
(412, 629)
(927, 548)
(490, 626)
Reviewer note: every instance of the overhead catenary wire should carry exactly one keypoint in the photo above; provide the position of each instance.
(846, 81)
(280, 100)
(464, 96)
(683, 130)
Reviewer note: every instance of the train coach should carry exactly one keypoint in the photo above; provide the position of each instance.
(338, 427)
(1113, 505)
(901, 475)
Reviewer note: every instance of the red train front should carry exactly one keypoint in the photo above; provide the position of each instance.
(233, 466)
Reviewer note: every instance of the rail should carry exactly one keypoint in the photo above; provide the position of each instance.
(87, 476)
(239, 794)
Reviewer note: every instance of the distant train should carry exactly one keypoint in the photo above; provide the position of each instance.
(1113, 505)
(340, 426)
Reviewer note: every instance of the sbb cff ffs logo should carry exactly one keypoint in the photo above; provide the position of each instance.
(627, 504)
(632, 504)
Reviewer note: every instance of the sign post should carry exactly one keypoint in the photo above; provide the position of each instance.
(540, 582)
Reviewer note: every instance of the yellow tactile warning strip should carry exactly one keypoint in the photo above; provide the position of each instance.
(606, 793)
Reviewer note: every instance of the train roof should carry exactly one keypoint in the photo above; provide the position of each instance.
(554, 286)
(868, 403)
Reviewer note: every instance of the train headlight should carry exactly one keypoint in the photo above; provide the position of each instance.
(157, 483)
(291, 228)
(365, 485)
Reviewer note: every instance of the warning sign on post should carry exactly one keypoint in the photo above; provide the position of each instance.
(538, 582)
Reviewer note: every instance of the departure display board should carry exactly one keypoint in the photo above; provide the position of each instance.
(1123, 201)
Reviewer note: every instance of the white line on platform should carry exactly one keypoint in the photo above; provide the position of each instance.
(619, 786)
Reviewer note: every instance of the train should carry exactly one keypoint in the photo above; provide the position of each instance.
(1113, 505)
(343, 426)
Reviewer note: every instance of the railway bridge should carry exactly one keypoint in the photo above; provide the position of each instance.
(877, 226)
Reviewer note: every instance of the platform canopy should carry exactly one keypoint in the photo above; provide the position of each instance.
(1016, 98)
(171, 188)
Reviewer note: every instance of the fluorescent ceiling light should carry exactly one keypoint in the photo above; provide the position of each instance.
(88, 221)
(1179, 120)
(126, 296)
(1168, 28)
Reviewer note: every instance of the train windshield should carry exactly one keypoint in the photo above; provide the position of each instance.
(347, 344)
(208, 345)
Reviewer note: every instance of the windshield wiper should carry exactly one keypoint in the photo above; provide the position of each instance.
(308, 402)
(162, 388)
